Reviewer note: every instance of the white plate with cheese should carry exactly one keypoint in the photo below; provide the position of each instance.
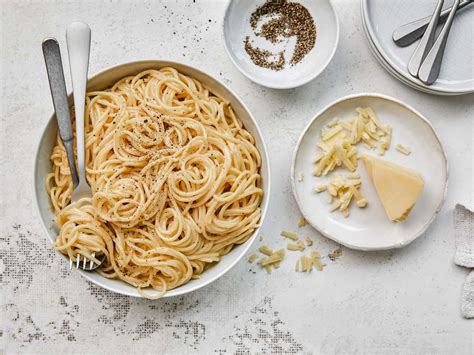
(409, 188)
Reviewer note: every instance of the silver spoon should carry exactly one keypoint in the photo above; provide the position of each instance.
(429, 70)
(426, 42)
(407, 34)
(78, 38)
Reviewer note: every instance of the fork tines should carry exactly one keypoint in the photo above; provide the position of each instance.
(84, 262)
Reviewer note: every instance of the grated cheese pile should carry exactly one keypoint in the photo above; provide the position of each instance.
(338, 148)
(339, 139)
(341, 191)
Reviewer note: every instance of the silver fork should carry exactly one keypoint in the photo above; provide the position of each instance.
(425, 43)
(78, 36)
(92, 265)
(429, 69)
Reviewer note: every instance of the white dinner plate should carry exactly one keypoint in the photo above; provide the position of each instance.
(369, 228)
(457, 74)
(378, 56)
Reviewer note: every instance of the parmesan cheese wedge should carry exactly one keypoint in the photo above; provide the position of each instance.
(398, 187)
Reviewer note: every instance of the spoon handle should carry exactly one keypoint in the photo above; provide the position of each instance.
(407, 34)
(425, 43)
(431, 66)
(78, 37)
(54, 67)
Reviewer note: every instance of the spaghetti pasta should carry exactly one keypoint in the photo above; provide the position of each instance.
(174, 176)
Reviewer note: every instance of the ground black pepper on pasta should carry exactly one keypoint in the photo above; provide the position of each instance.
(288, 19)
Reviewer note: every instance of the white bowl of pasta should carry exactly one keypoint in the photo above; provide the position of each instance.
(180, 178)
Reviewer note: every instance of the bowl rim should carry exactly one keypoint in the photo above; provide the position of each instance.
(406, 106)
(130, 290)
(281, 86)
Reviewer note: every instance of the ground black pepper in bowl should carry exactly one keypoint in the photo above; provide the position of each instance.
(287, 19)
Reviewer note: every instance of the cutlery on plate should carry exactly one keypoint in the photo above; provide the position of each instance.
(431, 66)
(407, 34)
(425, 43)
(54, 68)
(78, 38)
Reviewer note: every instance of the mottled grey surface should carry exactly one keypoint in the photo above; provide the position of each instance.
(404, 301)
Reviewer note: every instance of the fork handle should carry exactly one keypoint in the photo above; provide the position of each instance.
(407, 34)
(54, 68)
(425, 43)
(431, 66)
(78, 37)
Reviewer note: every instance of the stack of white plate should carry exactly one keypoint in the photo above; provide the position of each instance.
(380, 18)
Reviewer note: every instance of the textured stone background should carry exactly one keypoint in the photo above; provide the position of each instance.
(404, 301)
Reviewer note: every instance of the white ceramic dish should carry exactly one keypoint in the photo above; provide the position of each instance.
(105, 79)
(456, 76)
(387, 67)
(379, 57)
(369, 228)
(237, 27)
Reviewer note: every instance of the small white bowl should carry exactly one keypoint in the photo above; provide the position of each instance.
(237, 27)
(105, 79)
(369, 228)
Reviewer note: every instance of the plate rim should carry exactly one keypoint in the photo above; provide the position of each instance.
(419, 84)
(327, 234)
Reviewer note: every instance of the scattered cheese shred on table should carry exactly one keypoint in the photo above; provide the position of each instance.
(335, 254)
(252, 257)
(306, 263)
(289, 235)
(402, 149)
(299, 246)
(270, 259)
(302, 222)
(275, 257)
(265, 250)
(317, 260)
